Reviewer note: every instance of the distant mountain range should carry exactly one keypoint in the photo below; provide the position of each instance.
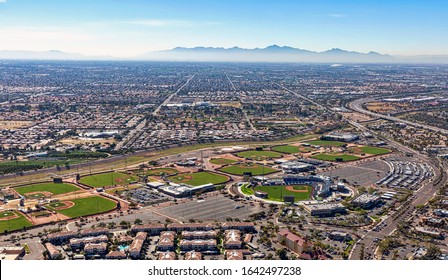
(272, 53)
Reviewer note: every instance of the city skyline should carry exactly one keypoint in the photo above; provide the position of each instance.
(135, 27)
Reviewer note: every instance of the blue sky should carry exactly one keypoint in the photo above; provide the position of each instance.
(130, 27)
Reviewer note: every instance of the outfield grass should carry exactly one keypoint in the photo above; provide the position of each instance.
(276, 193)
(160, 171)
(287, 149)
(107, 179)
(333, 157)
(222, 161)
(199, 178)
(259, 155)
(256, 169)
(373, 150)
(18, 223)
(326, 143)
(88, 206)
(47, 187)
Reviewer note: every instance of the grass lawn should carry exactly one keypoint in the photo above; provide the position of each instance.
(287, 149)
(14, 224)
(107, 179)
(222, 161)
(246, 190)
(160, 171)
(256, 169)
(199, 178)
(326, 143)
(47, 187)
(276, 193)
(373, 150)
(259, 155)
(333, 157)
(88, 206)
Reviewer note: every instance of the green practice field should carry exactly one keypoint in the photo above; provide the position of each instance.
(160, 171)
(46, 187)
(222, 161)
(276, 193)
(259, 155)
(333, 157)
(199, 178)
(85, 206)
(371, 150)
(256, 169)
(13, 224)
(326, 143)
(287, 149)
(107, 179)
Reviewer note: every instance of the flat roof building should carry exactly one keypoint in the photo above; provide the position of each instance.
(366, 200)
(325, 209)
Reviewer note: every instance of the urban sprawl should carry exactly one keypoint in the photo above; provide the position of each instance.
(203, 161)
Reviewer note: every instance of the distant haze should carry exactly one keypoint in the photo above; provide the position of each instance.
(272, 53)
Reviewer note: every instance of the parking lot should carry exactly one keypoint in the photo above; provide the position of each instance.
(145, 196)
(211, 208)
(364, 174)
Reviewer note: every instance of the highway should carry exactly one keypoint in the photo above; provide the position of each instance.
(420, 197)
(386, 227)
(357, 106)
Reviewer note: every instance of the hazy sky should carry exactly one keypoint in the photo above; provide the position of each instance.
(131, 27)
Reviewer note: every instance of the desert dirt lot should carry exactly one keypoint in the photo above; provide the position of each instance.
(14, 124)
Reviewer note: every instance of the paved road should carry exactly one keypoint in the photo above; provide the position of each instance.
(242, 109)
(36, 249)
(389, 225)
(421, 196)
(156, 111)
(357, 106)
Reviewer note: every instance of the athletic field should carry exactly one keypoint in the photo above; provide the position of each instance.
(13, 220)
(259, 155)
(40, 190)
(107, 179)
(222, 161)
(83, 206)
(334, 157)
(256, 169)
(199, 178)
(276, 193)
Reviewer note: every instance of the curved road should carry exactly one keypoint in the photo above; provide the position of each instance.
(357, 106)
